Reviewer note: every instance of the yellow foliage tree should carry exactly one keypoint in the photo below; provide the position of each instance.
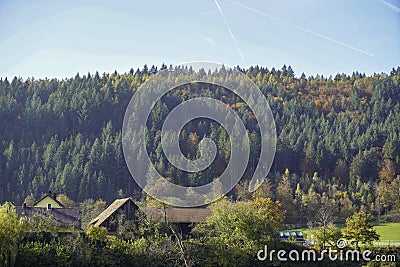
(11, 231)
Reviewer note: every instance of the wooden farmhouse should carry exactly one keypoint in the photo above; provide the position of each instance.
(183, 217)
(109, 217)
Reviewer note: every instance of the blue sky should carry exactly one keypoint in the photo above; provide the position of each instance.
(53, 38)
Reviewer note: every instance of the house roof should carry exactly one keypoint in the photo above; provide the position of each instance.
(178, 215)
(110, 210)
(61, 216)
(173, 215)
(48, 195)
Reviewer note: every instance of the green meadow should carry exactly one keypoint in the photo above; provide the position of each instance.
(389, 233)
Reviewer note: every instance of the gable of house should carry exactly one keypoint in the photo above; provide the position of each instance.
(48, 202)
(49, 207)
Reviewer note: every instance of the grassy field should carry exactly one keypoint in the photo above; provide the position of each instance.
(389, 233)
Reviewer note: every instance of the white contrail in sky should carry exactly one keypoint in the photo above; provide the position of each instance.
(299, 28)
(229, 29)
(208, 39)
(395, 8)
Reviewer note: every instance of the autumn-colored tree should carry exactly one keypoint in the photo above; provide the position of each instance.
(89, 209)
(264, 190)
(284, 194)
(389, 194)
(66, 201)
(327, 235)
(242, 191)
(341, 172)
(192, 144)
(30, 200)
(12, 229)
(360, 229)
(387, 171)
(322, 224)
(238, 230)
(96, 234)
(311, 201)
(253, 224)
(298, 196)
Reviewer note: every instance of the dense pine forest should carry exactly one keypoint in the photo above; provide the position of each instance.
(338, 139)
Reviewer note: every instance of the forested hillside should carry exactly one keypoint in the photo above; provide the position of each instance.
(338, 138)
